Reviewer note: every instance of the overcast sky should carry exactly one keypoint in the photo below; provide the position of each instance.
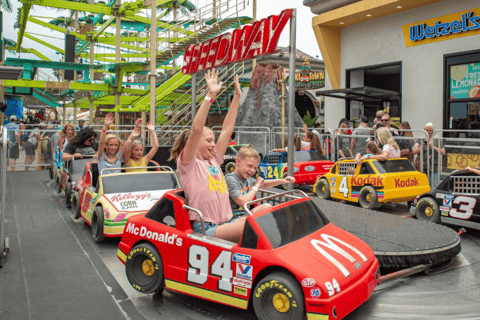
(305, 37)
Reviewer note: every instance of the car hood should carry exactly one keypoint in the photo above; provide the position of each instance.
(135, 201)
(330, 253)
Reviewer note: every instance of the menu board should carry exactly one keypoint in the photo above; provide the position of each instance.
(465, 81)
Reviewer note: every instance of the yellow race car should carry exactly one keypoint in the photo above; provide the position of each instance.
(372, 182)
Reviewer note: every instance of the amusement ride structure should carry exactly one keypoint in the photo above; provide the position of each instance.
(118, 71)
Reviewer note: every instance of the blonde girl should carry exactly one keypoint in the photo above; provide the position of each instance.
(66, 134)
(109, 149)
(198, 166)
(390, 147)
(134, 148)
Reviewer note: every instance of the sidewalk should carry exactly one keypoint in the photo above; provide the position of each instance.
(52, 271)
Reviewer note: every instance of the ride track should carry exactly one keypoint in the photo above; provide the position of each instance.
(71, 250)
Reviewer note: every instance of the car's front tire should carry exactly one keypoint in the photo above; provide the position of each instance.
(322, 189)
(97, 225)
(278, 296)
(367, 197)
(144, 269)
(75, 207)
(427, 210)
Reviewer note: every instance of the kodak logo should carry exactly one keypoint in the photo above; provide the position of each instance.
(360, 181)
(406, 183)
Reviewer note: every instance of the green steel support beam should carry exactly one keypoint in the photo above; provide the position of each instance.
(55, 85)
(123, 55)
(56, 28)
(51, 46)
(23, 24)
(30, 50)
(96, 34)
(159, 24)
(75, 6)
(40, 97)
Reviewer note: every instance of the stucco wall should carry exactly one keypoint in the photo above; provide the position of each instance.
(381, 41)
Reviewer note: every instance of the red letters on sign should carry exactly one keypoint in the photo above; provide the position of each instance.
(251, 41)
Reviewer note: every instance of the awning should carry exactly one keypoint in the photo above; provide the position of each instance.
(363, 94)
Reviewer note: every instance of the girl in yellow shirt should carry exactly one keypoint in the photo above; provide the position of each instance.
(134, 148)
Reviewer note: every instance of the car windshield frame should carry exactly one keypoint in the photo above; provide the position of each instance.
(125, 186)
(400, 165)
(277, 225)
(77, 164)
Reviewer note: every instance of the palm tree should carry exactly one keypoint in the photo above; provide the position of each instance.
(6, 5)
(184, 6)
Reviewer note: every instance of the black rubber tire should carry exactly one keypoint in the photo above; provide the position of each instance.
(322, 189)
(50, 171)
(97, 225)
(273, 284)
(230, 167)
(141, 259)
(367, 198)
(68, 194)
(427, 210)
(75, 207)
(58, 184)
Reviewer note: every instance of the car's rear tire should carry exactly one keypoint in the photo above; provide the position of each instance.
(367, 198)
(278, 296)
(58, 184)
(427, 210)
(68, 194)
(144, 269)
(322, 189)
(75, 207)
(97, 225)
(230, 167)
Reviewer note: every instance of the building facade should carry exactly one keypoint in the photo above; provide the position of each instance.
(427, 51)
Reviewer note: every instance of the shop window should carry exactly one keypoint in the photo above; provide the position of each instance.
(462, 94)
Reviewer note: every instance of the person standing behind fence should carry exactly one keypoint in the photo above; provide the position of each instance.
(358, 145)
(198, 165)
(14, 141)
(31, 145)
(406, 144)
(429, 128)
(344, 141)
(66, 134)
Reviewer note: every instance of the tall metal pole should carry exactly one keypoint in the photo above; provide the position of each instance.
(254, 61)
(153, 63)
(291, 97)
(92, 75)
(118, 31)
(194, 95)
(3, 193)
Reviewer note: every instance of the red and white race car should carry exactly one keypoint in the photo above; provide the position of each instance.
(291, 262)
(106, 201)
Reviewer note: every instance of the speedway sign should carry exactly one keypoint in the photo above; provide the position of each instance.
(251, 41)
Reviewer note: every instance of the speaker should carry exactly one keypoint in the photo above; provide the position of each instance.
(69, 55)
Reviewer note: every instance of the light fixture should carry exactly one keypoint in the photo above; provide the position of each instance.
(369, 15)
(399, 7)
(342, 22)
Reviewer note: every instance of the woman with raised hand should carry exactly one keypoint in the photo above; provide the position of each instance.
(198, 165)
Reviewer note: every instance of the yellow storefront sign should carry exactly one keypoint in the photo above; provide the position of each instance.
(452, 26)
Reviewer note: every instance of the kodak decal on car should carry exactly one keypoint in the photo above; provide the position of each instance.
(406, 183)
(360, 181)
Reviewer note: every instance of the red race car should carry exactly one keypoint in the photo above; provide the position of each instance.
(307, 166)
(291, 262)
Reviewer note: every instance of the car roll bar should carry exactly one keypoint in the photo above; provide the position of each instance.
(199, 214)
(164, 168)
(286, 194)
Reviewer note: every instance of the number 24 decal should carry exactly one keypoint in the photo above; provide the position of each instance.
(198, 271)
(465, 210)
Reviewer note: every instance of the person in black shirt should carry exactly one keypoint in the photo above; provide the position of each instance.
(82, 144)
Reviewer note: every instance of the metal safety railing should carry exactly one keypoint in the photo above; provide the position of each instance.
(453, 153)
(258, 137)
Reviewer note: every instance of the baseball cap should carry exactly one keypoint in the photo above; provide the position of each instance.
(364, 119)
(13, 118)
